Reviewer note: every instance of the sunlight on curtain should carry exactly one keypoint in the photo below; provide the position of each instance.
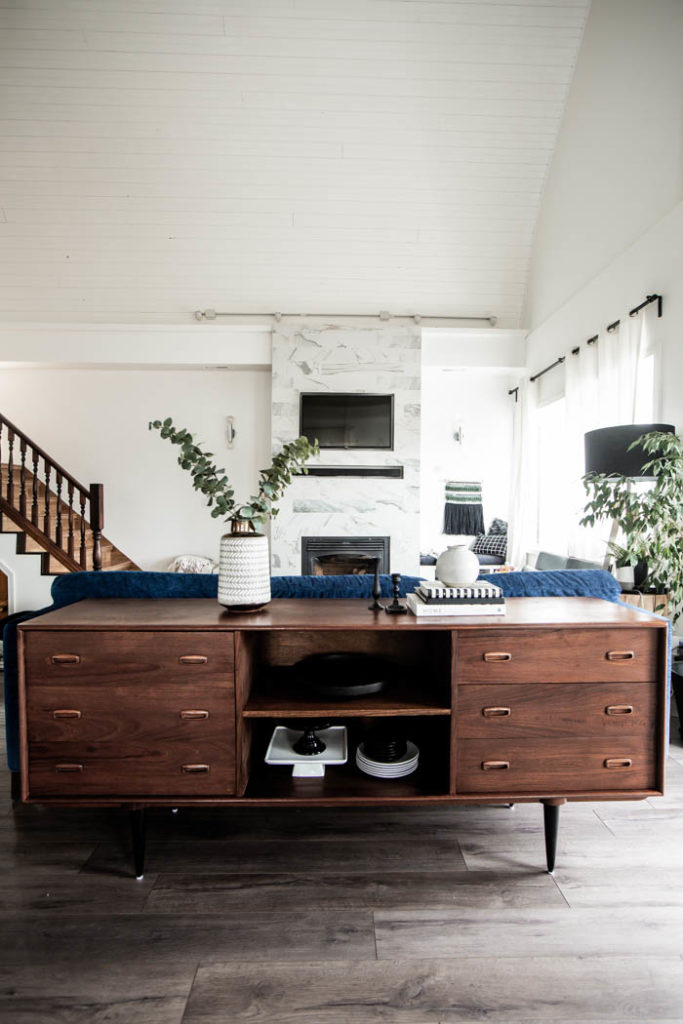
(611, 382)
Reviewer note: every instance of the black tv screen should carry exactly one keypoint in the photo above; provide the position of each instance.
(348, 420)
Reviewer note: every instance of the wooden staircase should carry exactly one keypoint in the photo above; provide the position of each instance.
(50, 512)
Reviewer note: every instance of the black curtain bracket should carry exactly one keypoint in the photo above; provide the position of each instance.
(592, 341)
(515, 392)
(613, 326)
(646, 302)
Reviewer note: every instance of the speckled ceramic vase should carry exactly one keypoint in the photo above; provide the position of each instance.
(244, 569)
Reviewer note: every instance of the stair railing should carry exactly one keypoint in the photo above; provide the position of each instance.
(47, 502)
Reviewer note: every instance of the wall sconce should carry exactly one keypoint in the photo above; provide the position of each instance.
(230, 432)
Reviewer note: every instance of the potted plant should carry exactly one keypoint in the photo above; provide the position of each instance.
(244, 565)
(650, 521)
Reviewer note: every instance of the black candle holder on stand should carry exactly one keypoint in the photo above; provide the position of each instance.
(396, 608)
(376, 590)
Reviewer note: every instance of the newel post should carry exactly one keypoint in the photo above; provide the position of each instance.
(96, 523)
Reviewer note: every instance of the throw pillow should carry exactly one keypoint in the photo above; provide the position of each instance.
(485, 544)
(497, 527)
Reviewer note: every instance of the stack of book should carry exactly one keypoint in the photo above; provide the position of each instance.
(438, 599)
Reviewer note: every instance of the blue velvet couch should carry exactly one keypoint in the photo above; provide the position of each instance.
(74, 587)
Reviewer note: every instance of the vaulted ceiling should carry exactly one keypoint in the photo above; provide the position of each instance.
(160, 156)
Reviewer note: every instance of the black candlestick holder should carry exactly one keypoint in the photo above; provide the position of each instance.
(376, 590)
(396, 608)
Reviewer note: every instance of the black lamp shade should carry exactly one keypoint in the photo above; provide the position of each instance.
(607, 449)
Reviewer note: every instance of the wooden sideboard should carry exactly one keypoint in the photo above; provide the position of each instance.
(137, 703)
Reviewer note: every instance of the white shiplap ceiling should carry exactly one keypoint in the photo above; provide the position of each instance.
(162, 156)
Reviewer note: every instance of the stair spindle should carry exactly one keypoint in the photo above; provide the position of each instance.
(96, 523)
(83, 554)
(59, 479)
(10, 467)
(46, 516)
(34, 496)
(22, 480)
(70, 539)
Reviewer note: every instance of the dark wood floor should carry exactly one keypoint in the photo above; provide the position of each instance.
(345, 917)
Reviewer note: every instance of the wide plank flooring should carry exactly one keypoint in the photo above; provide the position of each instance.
(392, 916)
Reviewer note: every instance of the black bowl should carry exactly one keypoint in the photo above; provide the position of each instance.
(341, 675)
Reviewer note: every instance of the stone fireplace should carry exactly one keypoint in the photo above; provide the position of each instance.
(365, 494)
(341, 556)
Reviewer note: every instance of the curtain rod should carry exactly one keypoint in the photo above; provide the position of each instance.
(211, 314)
(547, 368)
(591, 341)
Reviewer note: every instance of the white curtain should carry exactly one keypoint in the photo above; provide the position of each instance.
(605, 385)
(524, 491)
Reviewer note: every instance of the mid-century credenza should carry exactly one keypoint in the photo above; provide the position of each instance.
(135, 703)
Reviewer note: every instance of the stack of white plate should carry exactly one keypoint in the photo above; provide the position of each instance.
(388, 769)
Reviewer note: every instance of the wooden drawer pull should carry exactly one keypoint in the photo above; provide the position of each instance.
(496, 712)
(65, 659)
(495, 766)
(194, 714)
(195, 769)
(193, 659)
(620, 655)
(66, 713)
(497, 656)
(617, 762)
(619, 709)
(69, 767)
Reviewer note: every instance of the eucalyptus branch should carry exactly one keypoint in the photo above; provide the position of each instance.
(213, 482)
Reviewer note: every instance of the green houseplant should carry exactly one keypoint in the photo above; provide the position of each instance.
(244, 567)
(650, 521)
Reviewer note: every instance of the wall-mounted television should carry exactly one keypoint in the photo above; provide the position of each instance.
(347, 421)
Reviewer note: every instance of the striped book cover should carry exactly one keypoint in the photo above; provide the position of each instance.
(432, 593)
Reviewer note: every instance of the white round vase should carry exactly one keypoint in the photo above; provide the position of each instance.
(457, 566)
(244, 571)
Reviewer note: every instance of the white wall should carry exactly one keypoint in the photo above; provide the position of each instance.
(617, 167)
(476, 400)
(27, 590)
(654, 264)
(94, 422)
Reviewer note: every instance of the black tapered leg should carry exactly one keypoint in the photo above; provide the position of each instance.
(15, 791)
(137, 827)
(551, 821)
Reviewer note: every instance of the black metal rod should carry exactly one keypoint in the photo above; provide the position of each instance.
(613, 326)
(592, 341)
(547, 368)
(575, 351)
(515, 392)
(646, 302)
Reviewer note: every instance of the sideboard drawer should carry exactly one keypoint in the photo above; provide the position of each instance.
(557, 655)
(562, 766)
(120, 714)
(75, 657)
(549, 709)
(180, 769)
